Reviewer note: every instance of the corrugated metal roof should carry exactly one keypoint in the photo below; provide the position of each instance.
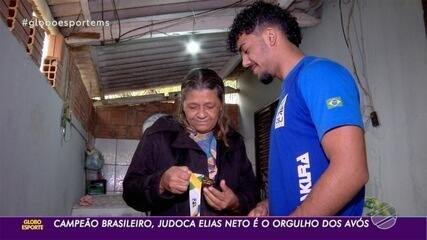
(158, 61)
(149, 52)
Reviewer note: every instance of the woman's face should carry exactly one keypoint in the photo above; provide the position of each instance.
(202, 109)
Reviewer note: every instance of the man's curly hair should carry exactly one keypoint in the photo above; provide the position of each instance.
(262, 14)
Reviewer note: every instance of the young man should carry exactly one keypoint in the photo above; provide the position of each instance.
(317, 163)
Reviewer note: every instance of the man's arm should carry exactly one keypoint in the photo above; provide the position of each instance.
(346, 174)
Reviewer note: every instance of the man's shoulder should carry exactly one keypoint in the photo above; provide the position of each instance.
(320, 72)
(318, 64)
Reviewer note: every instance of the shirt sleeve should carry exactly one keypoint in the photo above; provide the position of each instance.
(331, 95)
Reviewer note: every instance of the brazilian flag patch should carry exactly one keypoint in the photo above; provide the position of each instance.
(334, 102)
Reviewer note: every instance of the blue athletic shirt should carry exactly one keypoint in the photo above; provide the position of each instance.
(316, 96)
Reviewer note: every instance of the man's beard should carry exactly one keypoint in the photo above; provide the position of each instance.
(266, 78)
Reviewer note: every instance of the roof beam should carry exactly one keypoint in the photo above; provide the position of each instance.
(131, 100)
(149, 43)
(230, 66)
(140, 86)
(168, 68)
(88, 71)
(43, 11)
(85, 9)
(142, 68)
(147, 62)
(156, 28)
(56, 2)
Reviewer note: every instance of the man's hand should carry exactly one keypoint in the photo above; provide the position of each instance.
(221, 200)
(260, 210)
(175, 180)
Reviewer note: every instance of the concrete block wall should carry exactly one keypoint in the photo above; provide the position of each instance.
(12, 13)
(40, 172)
(50, 68)
(52, 62)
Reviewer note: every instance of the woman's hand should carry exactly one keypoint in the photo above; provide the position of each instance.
(221, 200)
(175, 180)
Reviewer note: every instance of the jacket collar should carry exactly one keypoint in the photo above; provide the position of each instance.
(182, 140)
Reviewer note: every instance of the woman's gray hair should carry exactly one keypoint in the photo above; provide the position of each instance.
(199, 79)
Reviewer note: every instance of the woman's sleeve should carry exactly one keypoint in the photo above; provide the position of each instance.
(142, 180)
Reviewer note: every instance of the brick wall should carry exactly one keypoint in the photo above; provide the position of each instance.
(125, 122)
(80, 103)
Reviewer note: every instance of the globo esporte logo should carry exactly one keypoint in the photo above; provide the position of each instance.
(32, 224)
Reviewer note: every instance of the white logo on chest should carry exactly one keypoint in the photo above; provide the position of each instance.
(280, 116)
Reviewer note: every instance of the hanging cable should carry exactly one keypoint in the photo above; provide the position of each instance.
(118, 20)
(78, 17)
(178, 19)
(194, 19)
(364, 87)
(348, 44)
(103, 27)
(111, 32)
(361, 48)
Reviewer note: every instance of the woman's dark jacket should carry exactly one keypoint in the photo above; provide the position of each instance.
(166, 144)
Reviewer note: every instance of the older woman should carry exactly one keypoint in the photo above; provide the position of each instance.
(199, 142)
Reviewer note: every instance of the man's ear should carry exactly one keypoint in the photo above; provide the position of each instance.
(270, 36)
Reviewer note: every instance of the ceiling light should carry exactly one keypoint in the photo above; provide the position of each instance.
(193, 47)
